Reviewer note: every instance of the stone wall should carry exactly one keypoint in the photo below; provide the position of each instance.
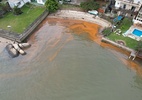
(116, 44)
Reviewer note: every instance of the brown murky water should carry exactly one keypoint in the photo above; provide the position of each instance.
(68, 61)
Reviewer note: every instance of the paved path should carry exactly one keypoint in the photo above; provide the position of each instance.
(78, 15)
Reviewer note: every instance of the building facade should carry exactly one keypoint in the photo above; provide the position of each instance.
(138, 18)
(131, 8)
(131, 5)
(18, 3)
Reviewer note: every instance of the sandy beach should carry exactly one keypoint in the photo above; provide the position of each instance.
(78, 15)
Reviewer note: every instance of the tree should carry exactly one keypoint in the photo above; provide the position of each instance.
(89, 5)
(17, 11)
(51, 5)
(139, 46)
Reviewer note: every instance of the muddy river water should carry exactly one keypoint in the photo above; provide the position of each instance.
(67, 61)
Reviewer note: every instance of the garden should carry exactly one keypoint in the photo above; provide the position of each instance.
(123, 25)
(18, 23)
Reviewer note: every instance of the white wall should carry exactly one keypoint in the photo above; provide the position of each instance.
(117, 4)
(40, 2)
(137, 1)
(13, 3)
(136, 21)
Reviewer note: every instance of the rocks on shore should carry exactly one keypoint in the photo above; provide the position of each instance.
(15, 49)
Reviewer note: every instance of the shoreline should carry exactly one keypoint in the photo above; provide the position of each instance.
(78, 15)
(84, 16)
(124, 54)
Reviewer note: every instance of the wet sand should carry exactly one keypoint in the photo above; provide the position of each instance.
(3, 43)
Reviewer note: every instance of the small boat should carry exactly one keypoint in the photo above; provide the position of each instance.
(24, 45)
(93, 12)
(16, 46)
(12, 51)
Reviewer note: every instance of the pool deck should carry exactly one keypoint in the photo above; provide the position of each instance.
(128, 33)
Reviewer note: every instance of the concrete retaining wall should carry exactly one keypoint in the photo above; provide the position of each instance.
(32, 27)
(116, 44)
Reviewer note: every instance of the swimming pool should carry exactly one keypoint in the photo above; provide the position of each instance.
(137, 32)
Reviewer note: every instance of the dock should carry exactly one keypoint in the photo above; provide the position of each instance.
(133, 54)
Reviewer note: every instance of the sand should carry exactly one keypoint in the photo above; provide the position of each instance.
(78, 15)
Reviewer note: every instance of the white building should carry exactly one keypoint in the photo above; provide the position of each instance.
(41, 1)
(132, 5)
(18, 3)
(130, 8)
(138, 18)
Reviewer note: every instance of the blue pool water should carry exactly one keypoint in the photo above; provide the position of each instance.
(137, 32)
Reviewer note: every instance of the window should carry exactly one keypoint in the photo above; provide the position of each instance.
(124, 6)
(133, 8)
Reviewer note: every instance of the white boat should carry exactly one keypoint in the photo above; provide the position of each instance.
(93, 12)
(24, 45)
(16, 46)
(12, 51)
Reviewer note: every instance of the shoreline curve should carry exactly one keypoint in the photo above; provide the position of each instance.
(78, 15)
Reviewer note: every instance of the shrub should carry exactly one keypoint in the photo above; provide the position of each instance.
(51, 5)
(90, 5)
(125, 24)
(107, 31)
(17, 11)
(139, 46)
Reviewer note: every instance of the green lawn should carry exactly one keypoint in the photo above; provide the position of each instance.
(21, 22)
(131, 43)
(124, 26)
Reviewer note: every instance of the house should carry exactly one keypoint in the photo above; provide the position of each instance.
(132, 5)
(138, 18)
(130, 8)
(127, 7)
(18, 3)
